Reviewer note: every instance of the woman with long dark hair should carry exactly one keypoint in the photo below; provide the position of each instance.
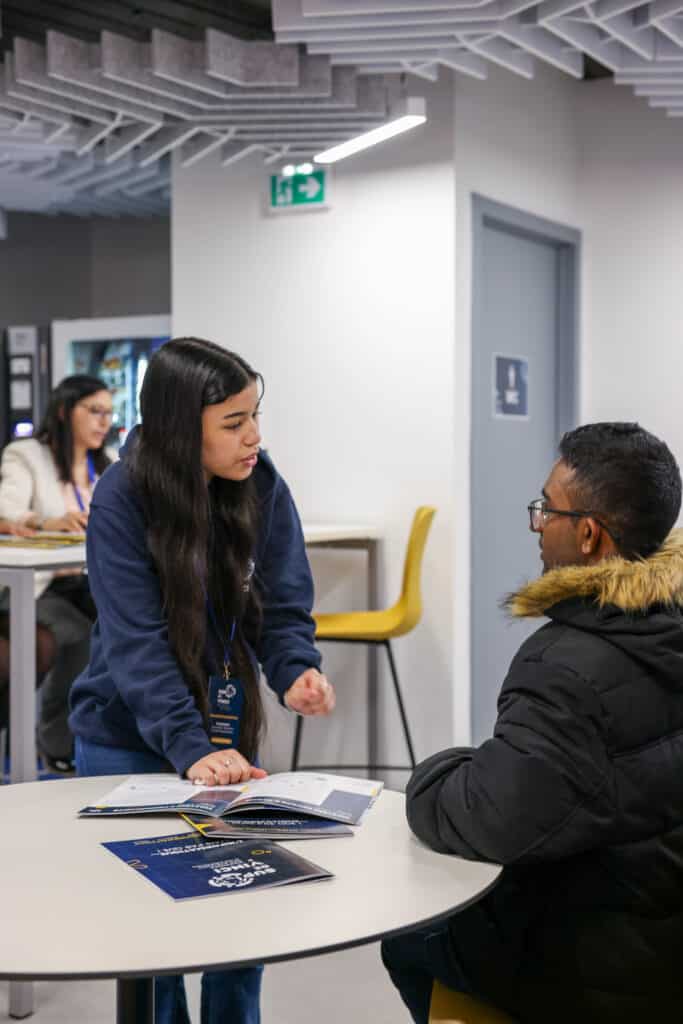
(199, 571)
(47, 483)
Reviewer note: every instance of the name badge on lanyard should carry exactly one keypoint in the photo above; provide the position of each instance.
(226, 698)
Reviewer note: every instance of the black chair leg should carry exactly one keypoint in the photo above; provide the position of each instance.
(297, 742)
(404, 719)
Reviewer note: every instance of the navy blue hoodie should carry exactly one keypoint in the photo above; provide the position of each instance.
(132, 694)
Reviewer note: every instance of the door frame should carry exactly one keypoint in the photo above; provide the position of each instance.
(487, 213)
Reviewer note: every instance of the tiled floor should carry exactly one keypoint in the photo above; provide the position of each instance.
(334, 989)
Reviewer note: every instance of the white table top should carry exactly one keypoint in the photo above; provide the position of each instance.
(74, 554)
(41, 558)
(317, 533)
(71, 909)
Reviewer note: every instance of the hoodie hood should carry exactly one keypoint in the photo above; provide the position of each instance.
(631, 587)
(635, 606)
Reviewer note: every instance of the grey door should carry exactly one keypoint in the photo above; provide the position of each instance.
(523, 398)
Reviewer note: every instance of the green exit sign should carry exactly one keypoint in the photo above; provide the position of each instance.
(294, 192)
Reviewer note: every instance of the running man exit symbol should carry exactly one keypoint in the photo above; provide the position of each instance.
(511, 386)
(299, 191)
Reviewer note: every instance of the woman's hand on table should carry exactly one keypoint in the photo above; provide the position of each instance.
(17, 529)
(72, 522)
(311, 694)
(223, 768)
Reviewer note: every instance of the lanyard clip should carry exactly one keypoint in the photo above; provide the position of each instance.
(226, 669)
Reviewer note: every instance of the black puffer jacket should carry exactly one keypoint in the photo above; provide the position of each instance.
(580, 795)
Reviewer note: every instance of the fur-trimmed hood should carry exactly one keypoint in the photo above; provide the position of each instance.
(630, 586)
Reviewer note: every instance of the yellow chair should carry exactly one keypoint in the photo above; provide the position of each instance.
(380, 627)
(448, 1007)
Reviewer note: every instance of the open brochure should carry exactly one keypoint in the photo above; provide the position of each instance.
(44, 540)
(337, 797)
(186, 866)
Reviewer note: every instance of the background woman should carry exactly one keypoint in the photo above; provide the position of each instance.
(47, 483)
(198, 570)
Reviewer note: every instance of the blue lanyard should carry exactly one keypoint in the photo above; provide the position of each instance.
(219, 635)
(91, 480)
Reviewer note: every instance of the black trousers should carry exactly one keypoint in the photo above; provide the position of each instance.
(67, 609)
(478, 951)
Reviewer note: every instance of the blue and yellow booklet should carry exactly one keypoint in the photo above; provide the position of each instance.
(335, 797)
(273, 826)
(186, 866)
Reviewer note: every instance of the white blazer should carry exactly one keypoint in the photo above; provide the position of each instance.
(29, 483)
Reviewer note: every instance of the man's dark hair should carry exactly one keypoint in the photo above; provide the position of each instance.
(626, 477)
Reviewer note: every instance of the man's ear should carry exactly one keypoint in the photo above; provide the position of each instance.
(590, 536)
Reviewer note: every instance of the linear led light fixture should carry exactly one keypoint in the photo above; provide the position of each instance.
(408, 113)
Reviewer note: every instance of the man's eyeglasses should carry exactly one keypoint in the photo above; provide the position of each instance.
(99, 412)
(540, 512)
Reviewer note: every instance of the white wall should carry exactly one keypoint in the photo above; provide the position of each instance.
(360, 320)
(516, 142)
(632, 187)
(349, 314)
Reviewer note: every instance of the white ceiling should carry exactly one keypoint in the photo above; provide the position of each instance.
(89, 116)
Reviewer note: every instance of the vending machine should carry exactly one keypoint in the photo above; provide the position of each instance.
(115, 349)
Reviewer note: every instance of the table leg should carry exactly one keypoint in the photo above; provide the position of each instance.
(22, 717)
(22, 657)
(20, 999)
(135, 1001)
(373, 715)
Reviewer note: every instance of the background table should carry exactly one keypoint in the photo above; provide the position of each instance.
(18, 567)
(17, 571)
(112, 923)
(363, 538)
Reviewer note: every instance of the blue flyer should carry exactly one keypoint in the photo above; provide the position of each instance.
(186, 866)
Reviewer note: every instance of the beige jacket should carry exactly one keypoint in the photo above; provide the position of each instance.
(29, 483)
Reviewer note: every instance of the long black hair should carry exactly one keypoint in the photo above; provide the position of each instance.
(201, 535)
(56, 432)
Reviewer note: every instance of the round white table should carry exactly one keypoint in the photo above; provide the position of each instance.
(72, 910)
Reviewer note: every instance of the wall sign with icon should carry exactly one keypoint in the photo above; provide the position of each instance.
(510, 387)
(299, 188)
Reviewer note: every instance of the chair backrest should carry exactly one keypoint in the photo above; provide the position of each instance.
(449, 1007)
(410, 600)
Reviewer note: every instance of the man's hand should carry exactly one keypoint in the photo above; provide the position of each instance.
(311, 694)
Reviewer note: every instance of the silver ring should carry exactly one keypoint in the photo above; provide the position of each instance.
(228, 762)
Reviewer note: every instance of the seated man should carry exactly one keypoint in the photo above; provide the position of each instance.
(579, 794)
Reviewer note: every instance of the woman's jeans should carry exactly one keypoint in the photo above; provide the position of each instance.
(227, 996)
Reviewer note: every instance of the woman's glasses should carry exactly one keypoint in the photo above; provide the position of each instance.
(98, 411)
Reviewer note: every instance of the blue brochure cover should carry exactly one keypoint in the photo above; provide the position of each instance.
(186, 866)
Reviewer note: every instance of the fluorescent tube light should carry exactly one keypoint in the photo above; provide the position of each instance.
(409, 114)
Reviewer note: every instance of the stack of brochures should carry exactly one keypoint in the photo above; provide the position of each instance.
(234, 850)
(44, 540)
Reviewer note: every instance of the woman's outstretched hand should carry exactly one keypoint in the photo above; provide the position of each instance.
(311, 694)
(222, 768)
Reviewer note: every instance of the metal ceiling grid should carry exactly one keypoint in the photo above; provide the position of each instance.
(95, 97)
(88, 125)
(641, 43)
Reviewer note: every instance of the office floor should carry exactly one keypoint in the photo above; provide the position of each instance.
(336, 988)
